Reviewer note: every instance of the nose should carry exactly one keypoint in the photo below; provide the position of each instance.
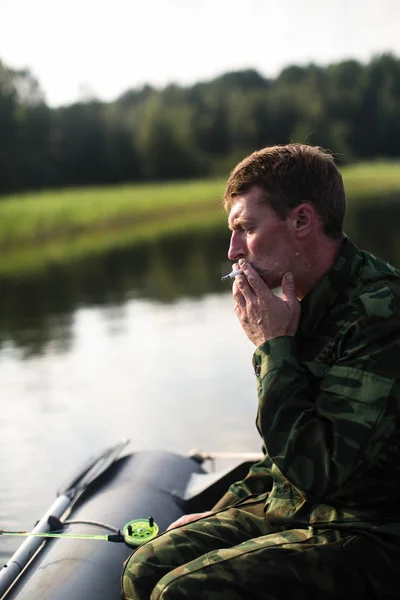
(237, 247)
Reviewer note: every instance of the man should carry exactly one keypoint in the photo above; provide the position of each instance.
(319, 517)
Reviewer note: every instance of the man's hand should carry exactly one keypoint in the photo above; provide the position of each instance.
(188, 519)
(263, 315)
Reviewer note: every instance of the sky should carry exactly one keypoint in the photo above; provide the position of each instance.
(79, 49)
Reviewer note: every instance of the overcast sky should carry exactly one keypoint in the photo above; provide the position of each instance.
(95, 47)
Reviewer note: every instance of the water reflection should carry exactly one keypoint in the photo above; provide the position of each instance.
(36, 311)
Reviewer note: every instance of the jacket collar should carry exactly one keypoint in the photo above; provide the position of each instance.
(317, 303)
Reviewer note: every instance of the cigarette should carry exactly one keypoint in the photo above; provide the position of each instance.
(232, 275)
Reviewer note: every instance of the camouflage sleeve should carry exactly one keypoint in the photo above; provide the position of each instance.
(257, 481)
(320, 432)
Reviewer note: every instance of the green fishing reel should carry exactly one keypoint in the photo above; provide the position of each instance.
(140, 531)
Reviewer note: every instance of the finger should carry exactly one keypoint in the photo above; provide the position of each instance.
(238, 295)
(255, 282)
(289, 290)
(176, 523)
(244, 293)
(184, 520)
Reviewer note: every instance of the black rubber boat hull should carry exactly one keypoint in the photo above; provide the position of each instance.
(141, 485)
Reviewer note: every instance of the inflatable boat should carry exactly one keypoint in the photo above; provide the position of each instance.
(112, 504)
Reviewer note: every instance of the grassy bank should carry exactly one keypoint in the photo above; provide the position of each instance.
(48, 227)
(66, 213)
(371, 180)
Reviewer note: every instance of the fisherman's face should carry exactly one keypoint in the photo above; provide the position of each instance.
(261, 237)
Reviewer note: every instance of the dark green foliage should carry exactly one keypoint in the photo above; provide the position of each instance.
(179, 133)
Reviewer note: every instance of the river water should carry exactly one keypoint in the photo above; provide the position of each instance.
(140, 343)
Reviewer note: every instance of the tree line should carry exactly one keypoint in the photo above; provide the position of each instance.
(178, 132)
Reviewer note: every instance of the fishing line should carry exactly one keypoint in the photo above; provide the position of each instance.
(79, 522)
(134, 533)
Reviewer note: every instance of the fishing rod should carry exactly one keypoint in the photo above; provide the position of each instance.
(67, 494)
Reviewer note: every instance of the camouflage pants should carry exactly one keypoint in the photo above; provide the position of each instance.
(236, 555)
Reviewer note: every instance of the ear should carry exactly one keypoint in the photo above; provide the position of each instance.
(304, 218)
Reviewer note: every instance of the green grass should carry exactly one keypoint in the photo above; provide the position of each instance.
(26, 259)
(65, 213)
(368, 181)
(58, 226)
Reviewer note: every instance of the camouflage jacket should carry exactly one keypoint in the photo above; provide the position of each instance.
(329, 405)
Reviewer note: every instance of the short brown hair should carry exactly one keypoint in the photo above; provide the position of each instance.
(290, 175)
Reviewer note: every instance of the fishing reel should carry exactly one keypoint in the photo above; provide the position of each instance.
(139, 531)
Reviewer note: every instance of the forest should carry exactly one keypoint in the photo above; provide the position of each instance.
(179, 133)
